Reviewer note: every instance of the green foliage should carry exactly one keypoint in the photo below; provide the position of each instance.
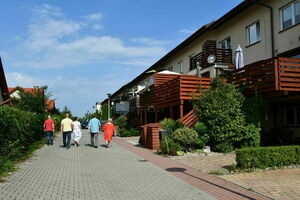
(201, 128)
(251, 136)
(121, 122)
(263, 157)
(223, 147)
(185, 136)
(57, 119)
(168, 124)
(129, 133)
(169, 146)
(65, 111)
(104, 113)
(220, 109)
(19, 130)
(253, 109)
(32, 101)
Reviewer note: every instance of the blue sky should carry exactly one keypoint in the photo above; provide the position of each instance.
(85, 49)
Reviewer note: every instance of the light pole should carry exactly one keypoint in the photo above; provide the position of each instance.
(108, 107)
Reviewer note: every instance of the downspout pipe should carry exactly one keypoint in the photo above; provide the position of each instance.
(271, 23)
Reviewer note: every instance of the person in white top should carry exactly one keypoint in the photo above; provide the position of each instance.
(77, 131)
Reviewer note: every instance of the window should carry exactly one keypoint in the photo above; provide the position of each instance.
(291, 116)
(180, 66)
(225, 44)
(170, 68)
(290, 15)
(253, 33)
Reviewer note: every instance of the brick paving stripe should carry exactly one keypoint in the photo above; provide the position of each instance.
(215, 186)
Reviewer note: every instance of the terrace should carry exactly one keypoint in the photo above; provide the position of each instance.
(271, 77)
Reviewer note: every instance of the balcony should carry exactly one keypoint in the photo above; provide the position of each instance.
(223, 56)
(177, 88)
(268, 77)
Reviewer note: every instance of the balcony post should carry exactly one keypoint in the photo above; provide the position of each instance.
(181, 110)
(145, 114)
(156, 114)
(277, 87)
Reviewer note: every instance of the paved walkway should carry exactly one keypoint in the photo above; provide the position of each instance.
(215, 186)
(281, 183)
(83, 173)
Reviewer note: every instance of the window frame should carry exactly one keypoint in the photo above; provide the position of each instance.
(181, 67)
(292, 4)
(225, 40)
(248, 32)
(295, 110)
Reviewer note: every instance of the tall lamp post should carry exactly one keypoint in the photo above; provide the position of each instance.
(108, 107)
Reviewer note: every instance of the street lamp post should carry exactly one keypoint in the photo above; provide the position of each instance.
(108, 107)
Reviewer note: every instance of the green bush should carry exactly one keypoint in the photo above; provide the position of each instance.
(201, 128)
(169, 146)
(220, 109)
(129, 133)
(185, 136)
(223, 147)
(263, 157)
(168, 124)
(121, 122)
(19, 130)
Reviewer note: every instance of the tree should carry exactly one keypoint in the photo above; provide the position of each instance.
(220, 109)
(65, 111)
(34, 101)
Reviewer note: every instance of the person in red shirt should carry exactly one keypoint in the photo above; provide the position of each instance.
(109, 129)
(49, 128)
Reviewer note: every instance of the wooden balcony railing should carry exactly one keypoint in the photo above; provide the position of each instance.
(267, 76)
(222, 56)
(182, 87)
(288, 74)
(147, 97)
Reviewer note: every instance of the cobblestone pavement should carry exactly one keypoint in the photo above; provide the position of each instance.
(281, 184)
(88, 173)
(212, 162)
(218, 187)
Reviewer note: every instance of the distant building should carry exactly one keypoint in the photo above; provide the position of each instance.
(4, 94)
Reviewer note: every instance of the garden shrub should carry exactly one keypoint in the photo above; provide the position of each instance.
(200, 127)
(185, 136)
(129, 133)
(121, 122)
(19, 130)
(169, 146)
(168, 124)
(220, 109)
(263, 157)
(223, 147)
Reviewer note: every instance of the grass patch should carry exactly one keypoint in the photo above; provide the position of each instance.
(8, 165)
(216, 173)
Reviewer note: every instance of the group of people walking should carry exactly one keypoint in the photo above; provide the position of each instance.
(72, 130)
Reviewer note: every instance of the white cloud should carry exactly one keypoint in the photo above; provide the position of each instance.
(93, 17)
(187, 31)
(150, 41)
(98, 27)
(55, 41)
(17, 79)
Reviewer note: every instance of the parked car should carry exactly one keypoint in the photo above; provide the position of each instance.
(84, 124)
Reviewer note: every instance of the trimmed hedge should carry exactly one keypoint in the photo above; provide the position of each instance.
(263, 157)
(19, 130)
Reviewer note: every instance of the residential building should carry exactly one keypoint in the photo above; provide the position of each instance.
(265, 30)
(4, 96)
